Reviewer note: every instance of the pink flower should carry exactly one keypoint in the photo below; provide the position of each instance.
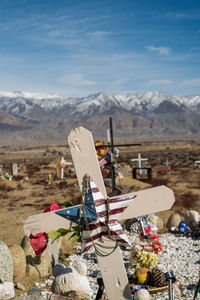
(39, 242)
(53, 206)
(148, 231)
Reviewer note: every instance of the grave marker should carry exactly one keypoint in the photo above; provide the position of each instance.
(140, 203)
(14, 169)
(60, 165)
(139, 160)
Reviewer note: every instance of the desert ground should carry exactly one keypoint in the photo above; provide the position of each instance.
(31, 191)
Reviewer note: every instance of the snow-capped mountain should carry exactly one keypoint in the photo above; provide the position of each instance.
(143, 114)
(21, 104)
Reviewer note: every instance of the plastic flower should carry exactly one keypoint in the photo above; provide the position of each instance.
(39, 242)
(52, 207)
(148, 231)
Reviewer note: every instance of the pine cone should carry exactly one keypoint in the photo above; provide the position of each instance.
(156, 278)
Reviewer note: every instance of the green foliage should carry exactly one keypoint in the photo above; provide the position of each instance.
(75, 237)
(77, 233)
(55, 234)
(68, 203)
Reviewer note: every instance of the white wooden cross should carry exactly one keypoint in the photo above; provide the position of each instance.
(145, 202)
(139, 160)
(61, 163)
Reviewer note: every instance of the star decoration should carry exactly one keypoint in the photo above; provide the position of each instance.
(98, 216)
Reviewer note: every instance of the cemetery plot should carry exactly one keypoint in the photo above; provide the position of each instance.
(33, 190)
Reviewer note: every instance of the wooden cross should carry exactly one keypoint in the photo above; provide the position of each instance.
(139, 160)
(60, 165)
(144, 202)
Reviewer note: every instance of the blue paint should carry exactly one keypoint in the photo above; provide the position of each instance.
(88, 211)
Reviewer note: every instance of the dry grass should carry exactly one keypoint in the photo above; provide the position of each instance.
(31, 192)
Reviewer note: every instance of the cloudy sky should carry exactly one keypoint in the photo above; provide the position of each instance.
(79, 47)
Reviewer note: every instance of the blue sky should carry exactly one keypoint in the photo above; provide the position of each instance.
(79, 47)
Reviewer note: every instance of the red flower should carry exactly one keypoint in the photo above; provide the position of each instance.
(148, 231)
(53, 206)
(157, 246)
(39, 242)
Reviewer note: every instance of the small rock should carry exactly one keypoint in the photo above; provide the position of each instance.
(20, 286)
(19, 262)
(192, 218)
(37, 266)
(174, 220)
(34, 291)
(142, 294)
(67, 246)
(29, 297)
(59, 297)
(7, 290)
(6, 264)
(71, 281)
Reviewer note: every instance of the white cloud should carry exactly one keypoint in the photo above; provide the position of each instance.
(76, 79)
(192, 15)
(191, 82)
(98, 34)
(159, 81)
(160, 50)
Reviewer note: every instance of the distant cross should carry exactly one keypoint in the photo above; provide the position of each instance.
(100, 215)
(139, 160)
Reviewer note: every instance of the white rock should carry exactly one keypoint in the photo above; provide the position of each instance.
(7, 290)
(71, 279)
(142, 294)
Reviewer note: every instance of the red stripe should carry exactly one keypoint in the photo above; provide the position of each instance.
(87, 248)
(99, 202)
(103, 233)
(112, 200)
(95, 190)
(112, 212)
(93, 237)
(104, 224)
(93, 226)
(118, 199)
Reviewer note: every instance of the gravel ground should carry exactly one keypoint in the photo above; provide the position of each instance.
(180, 254)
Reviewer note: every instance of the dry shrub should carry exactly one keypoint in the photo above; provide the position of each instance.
(32, 170)
(18, 177)
(42, 181)
(62, 185)
(37, 194)
(20, 187)
(159, 181)
(188, 200)
(5, 187)
(4, 195)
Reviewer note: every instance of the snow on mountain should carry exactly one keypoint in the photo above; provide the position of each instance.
(22, 103)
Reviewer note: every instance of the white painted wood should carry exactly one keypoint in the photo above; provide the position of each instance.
(149, 201)
(86, 162)
(114, 273)
(62, 168)
(139, 160)
(44, 222)
(14, 169)
(85, 158)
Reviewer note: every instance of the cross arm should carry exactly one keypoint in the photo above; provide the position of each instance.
(148, 201)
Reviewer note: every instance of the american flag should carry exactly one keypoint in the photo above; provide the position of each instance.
(104, 160)
(107, 212)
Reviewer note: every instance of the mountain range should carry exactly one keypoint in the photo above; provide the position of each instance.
(29, 118)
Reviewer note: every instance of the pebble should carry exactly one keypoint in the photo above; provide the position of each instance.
(180, 255)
